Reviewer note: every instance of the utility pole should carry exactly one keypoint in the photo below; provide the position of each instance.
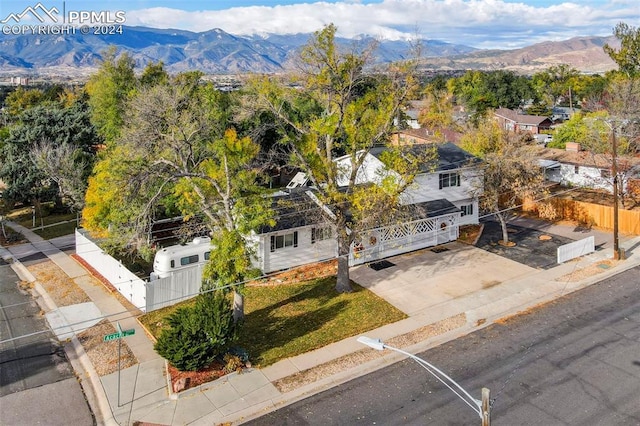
(617, 254)
(486, 407)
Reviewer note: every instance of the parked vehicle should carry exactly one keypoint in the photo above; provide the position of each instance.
(180, 256)
(543, 139)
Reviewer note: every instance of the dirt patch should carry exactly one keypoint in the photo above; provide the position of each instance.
(104, 355)
(57, 284)
(354, 359)
(469, 234)
(593, 269)
(489, 284)
(508, 319)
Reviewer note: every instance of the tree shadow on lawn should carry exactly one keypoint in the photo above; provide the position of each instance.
(306, 320)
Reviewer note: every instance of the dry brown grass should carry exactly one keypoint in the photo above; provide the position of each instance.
(354, 359)
(104, 355)
(57, 284)
(593, 269)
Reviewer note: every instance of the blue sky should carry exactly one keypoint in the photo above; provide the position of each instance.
(480, 23)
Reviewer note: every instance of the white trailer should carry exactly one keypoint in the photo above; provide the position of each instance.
(181, 256)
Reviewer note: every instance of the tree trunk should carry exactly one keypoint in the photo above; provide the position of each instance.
(343, 283)
(238, 306)
(503, 225)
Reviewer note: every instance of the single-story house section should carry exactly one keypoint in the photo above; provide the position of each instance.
(300, 235)
(512, 121)
(586, 169)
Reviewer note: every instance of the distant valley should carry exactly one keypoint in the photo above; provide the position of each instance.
(218, 52)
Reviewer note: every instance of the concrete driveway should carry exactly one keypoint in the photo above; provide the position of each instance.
(420, 280)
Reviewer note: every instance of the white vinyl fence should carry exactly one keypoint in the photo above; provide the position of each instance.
(576, 249)
(126, 282)
(181, 285)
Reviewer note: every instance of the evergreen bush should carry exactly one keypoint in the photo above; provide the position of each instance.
(198, 333)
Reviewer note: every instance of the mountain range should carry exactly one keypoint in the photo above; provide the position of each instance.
(218, 52)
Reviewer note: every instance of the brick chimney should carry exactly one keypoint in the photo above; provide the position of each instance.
(573, 146)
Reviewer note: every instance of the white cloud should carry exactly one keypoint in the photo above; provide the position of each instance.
(480, 23)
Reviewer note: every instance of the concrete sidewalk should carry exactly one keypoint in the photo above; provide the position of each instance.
(499, 288)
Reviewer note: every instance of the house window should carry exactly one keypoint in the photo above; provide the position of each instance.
(207, 254)
(173, 263)
(282, 241)
(189, 260)
(467, 210)
(605, 173)
(449, 179)
(576, 169)
(319, 234)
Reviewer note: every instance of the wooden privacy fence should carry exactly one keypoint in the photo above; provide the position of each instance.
(591, 214)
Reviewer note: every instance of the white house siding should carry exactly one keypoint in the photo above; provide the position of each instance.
(387, 241)
(427, 188)
(372, 170)
(289, 257)
(588, 177)
(468, 219)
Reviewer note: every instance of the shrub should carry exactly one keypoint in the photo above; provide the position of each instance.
(198, 333)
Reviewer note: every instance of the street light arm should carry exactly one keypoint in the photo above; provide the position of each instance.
(475, 404)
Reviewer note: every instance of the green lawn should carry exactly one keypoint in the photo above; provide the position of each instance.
(65, 223)
(291, 319)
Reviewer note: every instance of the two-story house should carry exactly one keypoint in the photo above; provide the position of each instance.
(442, 197)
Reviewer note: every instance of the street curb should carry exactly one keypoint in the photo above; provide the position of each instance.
(329, 382)
(91, 384)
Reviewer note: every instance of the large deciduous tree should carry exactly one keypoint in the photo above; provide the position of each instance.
(174, 149)
(482, 91)
(337, 108)
(109, 90)
(510, 173)
(556, 84)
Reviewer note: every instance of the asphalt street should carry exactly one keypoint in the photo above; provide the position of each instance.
(574, 361)
(34, 368)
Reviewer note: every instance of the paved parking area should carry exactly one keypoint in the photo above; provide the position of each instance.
(421, 280)
(425, 278)
(529, 249)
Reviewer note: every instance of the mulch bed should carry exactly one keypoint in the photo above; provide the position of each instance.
(300, 274)
(196, 378)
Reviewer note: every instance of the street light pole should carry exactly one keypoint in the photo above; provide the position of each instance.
(482, 408)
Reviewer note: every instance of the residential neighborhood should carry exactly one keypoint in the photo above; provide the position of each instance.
(180, 251)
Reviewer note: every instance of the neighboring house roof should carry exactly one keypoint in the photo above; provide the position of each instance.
(586, 158)
(529, 120)
(423, 135)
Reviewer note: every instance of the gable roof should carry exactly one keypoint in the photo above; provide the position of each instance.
(450, 156)
(293, 210)
(511, 115)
